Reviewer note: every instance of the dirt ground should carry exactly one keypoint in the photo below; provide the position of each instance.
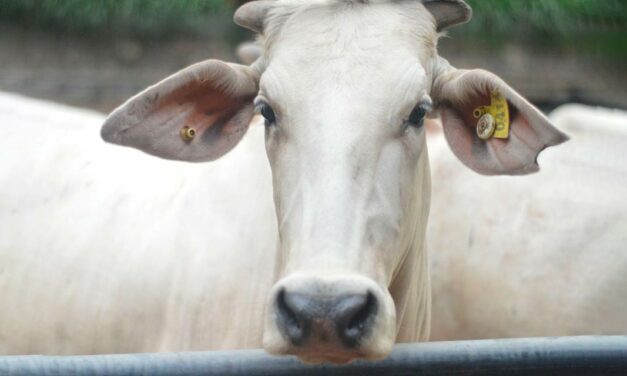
(100, 73)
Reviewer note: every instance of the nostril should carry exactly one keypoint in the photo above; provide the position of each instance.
(292, 323)
(361, 316)
(357, 317)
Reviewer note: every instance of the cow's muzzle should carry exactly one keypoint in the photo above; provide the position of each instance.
(347, 317)
(329, 319)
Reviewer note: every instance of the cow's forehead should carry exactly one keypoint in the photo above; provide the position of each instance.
(337, 29)
(383, 46)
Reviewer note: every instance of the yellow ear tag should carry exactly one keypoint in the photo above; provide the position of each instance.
(499, 109)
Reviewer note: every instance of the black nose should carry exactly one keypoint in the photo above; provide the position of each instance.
(349, 317)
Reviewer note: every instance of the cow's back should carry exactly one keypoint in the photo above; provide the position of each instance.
(104, 249)
(538, 255)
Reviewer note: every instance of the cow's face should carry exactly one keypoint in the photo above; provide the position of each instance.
(344, 87)
(344, 90)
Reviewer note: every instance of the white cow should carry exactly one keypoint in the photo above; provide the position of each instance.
(105, 250)
(544, 255)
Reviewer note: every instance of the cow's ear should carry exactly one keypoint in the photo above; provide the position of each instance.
(448, 13)
(460, 96)
(253, 14)
(195, 115)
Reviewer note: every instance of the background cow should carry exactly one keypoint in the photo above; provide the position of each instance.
(543, 255)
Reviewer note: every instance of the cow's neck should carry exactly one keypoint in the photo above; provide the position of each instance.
(411, 287)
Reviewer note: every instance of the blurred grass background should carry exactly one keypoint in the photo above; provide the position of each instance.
(137, 18)
(96, 53)
(598, 25)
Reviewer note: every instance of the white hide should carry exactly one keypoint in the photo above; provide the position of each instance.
(107, 250)
(541, 255)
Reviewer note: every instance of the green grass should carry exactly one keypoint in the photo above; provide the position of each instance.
(142, 18)
(542, 18)
(578, 24)
(592, 25)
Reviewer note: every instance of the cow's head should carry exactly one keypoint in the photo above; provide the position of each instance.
(344, 87)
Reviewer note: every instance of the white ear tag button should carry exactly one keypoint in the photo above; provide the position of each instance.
(486, 127)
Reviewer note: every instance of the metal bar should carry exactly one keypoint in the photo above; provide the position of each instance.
(571, 356)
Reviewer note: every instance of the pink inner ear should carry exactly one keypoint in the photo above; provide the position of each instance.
(213, 98)
(210, 113)
(220, 122)
(516, 155)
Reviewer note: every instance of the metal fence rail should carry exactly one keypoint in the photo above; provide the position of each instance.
(570, 356)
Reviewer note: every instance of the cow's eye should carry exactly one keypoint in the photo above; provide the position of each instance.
(267, 112)
(417, 117)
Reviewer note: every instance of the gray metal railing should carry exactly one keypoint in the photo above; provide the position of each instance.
(571, 356)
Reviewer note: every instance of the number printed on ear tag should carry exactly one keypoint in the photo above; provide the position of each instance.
(500, 111)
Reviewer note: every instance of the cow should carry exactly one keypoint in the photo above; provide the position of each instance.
(544, 255)
(316, 250)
